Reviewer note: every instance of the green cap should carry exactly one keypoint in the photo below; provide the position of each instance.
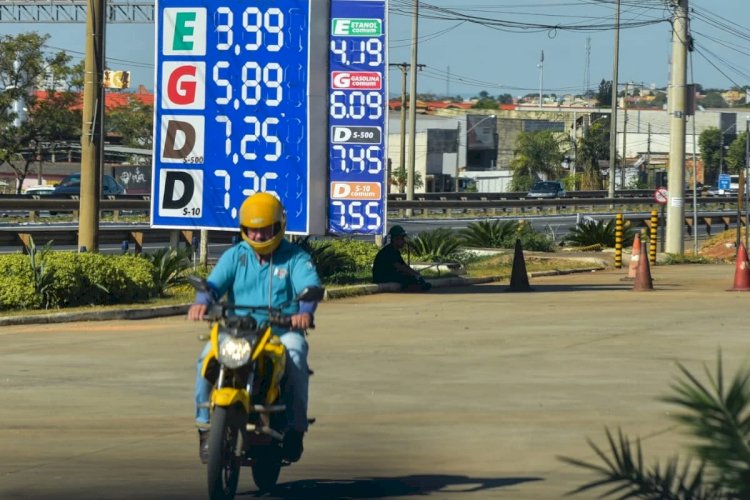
(397, 231)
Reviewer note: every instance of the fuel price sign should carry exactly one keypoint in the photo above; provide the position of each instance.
(357, 117)
(241, 96)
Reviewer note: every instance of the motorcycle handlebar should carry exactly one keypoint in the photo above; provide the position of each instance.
(282, 321)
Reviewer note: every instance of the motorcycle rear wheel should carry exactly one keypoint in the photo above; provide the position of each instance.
(267, 467)
(223, 463)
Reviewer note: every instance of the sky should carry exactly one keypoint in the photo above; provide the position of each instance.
(464, 58)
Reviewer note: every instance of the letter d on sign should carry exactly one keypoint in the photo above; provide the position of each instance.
(181, 193)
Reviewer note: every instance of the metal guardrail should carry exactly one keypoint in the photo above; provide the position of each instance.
(140, 234)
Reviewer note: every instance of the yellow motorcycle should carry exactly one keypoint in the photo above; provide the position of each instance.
(245, 365)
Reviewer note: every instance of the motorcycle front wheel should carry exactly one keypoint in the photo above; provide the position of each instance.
(223, 461)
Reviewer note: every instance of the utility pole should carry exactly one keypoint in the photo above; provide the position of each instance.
(677, 104)
(575, 150)
(624, 137)
(648, 157)
(92, 130)
(413, 106)
(404, 67)
(541, 79)
(613, 117)
(458, 147)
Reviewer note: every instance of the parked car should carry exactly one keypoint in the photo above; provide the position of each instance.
(40, 190)
(547, 189)
(71, 185)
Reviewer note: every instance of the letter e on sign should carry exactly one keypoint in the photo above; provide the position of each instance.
(184, 32)
(181, 193)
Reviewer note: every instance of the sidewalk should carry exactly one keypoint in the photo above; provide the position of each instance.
(140, 312)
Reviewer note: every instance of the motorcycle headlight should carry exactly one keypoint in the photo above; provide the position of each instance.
(234, 352)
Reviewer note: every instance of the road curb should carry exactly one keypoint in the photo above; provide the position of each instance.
(336, 293)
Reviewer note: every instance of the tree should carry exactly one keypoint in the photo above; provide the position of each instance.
(535, 154)
(713, 100)
(710, 144)
(505, 99)
(735, 157)
(485, 101)
(134, 122)
(24, 69)
(604, 95)
(592, 147)
(399, 179)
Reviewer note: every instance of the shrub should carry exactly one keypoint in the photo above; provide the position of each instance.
(488, 233)
(437, 245)
(361, 252)
(170, 268)
(591, 232)
(139, 277)
(16, 283)
(327, 260)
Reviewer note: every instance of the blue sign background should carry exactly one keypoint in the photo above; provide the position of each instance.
(724, 181)
(256, 114)
(358, 166)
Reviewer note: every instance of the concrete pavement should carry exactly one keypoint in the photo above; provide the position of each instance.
(462, 392)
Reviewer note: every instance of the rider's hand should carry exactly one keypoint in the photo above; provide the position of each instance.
(197, 311)
(301, 321)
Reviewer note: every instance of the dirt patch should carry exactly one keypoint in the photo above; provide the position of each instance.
(722, 246)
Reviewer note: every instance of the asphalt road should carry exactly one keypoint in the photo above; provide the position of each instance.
(461, 393)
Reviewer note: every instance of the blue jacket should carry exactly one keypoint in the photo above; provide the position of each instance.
(246, 281)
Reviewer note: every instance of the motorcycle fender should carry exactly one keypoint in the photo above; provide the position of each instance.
(275, 351)
(213, 353)
(229, 396)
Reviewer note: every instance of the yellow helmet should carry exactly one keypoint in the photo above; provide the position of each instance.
(263, 210)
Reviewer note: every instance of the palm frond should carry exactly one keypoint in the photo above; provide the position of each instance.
(488, 233)
(438, 244)
(624, 472)
(719, 415)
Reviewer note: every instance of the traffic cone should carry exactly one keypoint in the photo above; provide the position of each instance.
(742, 271)
(519, 279)
(634, 258)
(643, 281)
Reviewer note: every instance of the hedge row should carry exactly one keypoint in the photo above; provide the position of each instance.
(67, 279)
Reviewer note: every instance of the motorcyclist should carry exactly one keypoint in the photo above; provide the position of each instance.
(262, 269)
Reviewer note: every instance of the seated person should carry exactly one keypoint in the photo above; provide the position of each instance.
(389, 266)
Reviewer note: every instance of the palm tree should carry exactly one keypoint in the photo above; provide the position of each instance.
(717, 415)
(591, 148)
(489, 233)
(536, 154)
(591, 232)
(436, 245)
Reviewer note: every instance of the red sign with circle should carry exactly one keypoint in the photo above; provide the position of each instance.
(661, 195)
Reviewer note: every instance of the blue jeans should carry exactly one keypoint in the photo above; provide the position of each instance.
(295, 390)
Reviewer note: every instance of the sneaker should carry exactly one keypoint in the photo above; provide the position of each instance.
(203, 445)
(292, 446)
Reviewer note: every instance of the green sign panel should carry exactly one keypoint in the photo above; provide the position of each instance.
(357, 27)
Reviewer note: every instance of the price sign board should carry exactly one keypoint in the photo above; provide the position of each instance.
(241, 107)
(357, 117)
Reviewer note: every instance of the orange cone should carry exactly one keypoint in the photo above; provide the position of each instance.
(742, 271)
(519, 279)
(634, 258)
(643, 281)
